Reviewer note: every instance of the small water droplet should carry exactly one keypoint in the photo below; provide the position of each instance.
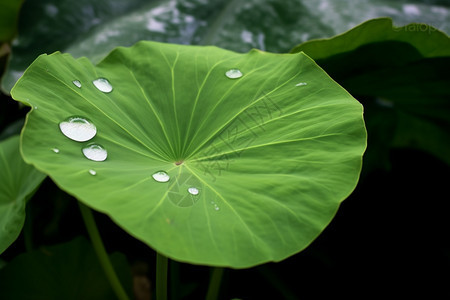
(161, 176)
(95, 152)
(215, 206)
(77, 83)
(301, 84)
(78, 129)
(103, 85)
(193, 191)
(56, 150)
(233, 73)
(92, 172)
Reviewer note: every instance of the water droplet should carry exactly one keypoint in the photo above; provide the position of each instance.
(78, 129)
(233, 73)
(301, 84)
(161, 176)
(103, 85)
(92, 172)
(193, 191)
(215, 206)
(56, 150)
(95, 152)
(77, 83)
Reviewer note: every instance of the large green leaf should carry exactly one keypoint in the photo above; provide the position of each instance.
(401, 76)
(66, 271)
(96, 27)
(271, 154)
(17, 182)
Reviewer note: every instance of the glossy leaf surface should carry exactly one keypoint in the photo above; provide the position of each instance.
(17, 182)
(212, 157)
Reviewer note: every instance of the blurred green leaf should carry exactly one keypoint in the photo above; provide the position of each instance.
(9, 12)
(94, 28)
(399, 74)
(65, 271)
(18, 181)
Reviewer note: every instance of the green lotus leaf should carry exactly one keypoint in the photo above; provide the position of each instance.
(65, 271)
(18, 181)
(207, 155)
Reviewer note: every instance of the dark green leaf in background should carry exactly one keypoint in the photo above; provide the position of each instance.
(18, 181)
(270, 154)
(65, 271)
(92, 29)
(401, 76)
(9, 13)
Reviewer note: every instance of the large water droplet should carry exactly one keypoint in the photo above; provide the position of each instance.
(233, 73)
(193, 191)
(78, 129)
(301, 84)
(161, 176)
(77, 83)
(95, 152)
(103, 85)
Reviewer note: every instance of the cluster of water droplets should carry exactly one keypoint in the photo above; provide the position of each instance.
(81, 129)
(162, 177)
(215, 206)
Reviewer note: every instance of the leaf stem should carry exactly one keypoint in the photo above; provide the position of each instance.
(162, 263)
(99, 248)
(214, 284)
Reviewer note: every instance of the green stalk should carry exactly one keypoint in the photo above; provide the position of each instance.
(214, 284)
(162, 263)
(99, 248)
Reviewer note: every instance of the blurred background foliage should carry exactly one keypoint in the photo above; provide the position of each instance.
(389, 237)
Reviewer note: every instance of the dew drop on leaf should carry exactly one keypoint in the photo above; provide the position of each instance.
(193, 191)
(56, 150)
(215, 206)
(92, 172)
(301, 84)
(103, 85)
(233, 73)
(78, 129)
(77, 83)
(161, 176)
(95, 152)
